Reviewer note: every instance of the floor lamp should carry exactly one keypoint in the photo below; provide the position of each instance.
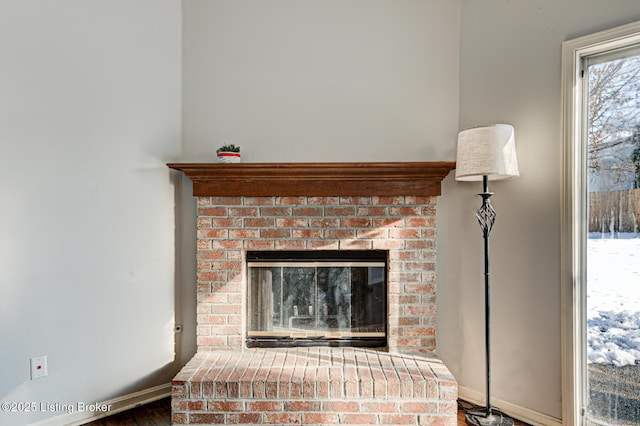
(486, 153)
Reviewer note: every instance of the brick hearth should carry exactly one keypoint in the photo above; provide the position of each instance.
(313, 386)
(228, 383)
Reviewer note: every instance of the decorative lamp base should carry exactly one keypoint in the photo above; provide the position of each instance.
(479, 418)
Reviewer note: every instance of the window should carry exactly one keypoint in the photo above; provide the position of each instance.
(601, 126)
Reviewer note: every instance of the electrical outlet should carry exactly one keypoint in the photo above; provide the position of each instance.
(38, 367)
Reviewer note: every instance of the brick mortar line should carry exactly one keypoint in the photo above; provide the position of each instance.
(351, 417)
(323, 403)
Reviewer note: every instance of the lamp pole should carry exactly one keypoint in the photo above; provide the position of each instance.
(486, 217)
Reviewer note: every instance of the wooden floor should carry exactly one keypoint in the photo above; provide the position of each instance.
(158, 413)
(462, 406)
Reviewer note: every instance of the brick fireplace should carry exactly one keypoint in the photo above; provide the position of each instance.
(244, 208)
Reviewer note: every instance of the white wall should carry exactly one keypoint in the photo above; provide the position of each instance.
(331, 80)
(510, 72)
(89, 115)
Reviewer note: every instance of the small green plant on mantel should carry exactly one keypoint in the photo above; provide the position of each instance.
(228, 153)
(228, 148)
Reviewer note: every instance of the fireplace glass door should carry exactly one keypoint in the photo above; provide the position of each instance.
(317, 298)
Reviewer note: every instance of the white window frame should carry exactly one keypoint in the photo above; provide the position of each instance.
(574, 212)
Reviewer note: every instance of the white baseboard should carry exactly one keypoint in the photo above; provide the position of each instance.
(116, 405)
(516, 411)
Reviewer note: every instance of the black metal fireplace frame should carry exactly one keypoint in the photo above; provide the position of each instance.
(321, 256)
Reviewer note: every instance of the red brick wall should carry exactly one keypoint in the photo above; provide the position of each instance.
(229, 226)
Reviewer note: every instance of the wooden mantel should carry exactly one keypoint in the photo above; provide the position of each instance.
(316, 179)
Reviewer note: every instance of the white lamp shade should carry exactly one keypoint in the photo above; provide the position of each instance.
(487, 151)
